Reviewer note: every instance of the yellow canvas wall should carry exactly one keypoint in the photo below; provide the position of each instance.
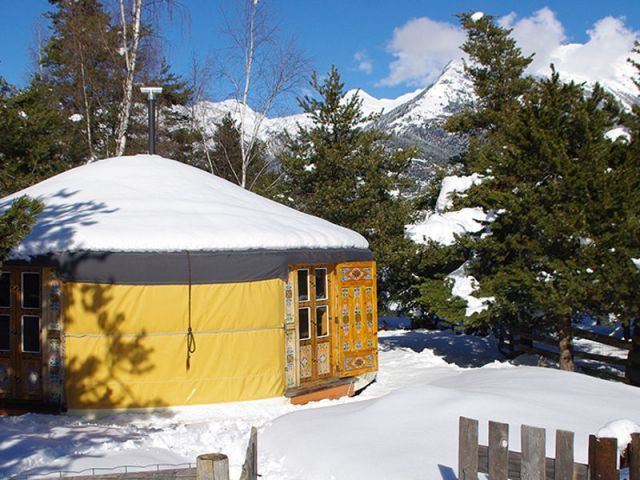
(126, 345)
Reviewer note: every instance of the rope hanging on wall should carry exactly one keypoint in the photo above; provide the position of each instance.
(191, 339)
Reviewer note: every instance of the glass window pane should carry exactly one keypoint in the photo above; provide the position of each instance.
(5, 289)
(321, 283)
(31, 333)
(303, 285)
(5, 332)
(322, 321)
(31, 290)
(303, 323)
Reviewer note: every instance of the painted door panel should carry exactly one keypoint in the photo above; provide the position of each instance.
(357, 318)
(313, 316)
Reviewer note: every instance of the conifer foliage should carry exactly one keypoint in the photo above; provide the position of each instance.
(344, 173)
(564, 198)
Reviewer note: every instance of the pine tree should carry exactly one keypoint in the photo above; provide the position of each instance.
(16, 221)
(37, 139)
(226, 158)
(345, 173)
(561, 226)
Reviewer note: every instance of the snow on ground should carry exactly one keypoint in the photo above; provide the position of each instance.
(402, 426)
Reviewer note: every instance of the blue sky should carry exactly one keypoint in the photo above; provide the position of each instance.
(385, 47)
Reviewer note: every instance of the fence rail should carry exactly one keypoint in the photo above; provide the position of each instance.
(500, 463)
(211, 466)
(630, 367)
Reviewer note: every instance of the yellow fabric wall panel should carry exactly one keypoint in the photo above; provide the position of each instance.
(99, 309)
(233, 306)
(133, 352)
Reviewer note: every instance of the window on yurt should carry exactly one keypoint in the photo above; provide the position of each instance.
(321, 283)
(5, 339)
(31, 334)
(303, 285)
(5, 289)
(304, 323)
(30, 290)
(322, 321)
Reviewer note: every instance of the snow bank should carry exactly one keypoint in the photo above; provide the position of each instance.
(441, 227)
(150, 203)
(403, 426)
(621, 430)
(412, 432)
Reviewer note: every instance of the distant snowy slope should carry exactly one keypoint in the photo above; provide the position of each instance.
(449, 94)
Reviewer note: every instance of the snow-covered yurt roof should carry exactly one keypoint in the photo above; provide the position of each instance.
(145, 207)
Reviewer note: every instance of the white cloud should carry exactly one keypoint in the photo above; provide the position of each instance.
(364, 63)
(540, 33)
(422, 47)
(602, 58)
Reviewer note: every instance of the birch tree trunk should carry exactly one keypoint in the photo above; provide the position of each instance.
(130, 52)
(266, 70)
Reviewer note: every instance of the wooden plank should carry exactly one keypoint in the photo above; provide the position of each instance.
(634, 457)
(600, 358)
(563, 465)
(585, 369)
(515, 459)
(250, 467)
(468, 449)
(212, 466)
(606, 339)
(603, 456)
(498, 457)
(533, 465)
(170, 474)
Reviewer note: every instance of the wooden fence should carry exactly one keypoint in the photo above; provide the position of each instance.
(531, 463)
(630, 372)
(210, 466)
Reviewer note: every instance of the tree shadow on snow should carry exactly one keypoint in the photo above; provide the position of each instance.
(463, 350)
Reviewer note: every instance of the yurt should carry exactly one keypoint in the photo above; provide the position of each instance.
(148, 283)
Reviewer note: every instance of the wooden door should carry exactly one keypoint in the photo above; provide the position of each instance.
(357, 318)
(21, 335)
(8, 331)
(313, 315)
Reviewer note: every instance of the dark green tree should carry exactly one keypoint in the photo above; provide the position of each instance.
(16, 221)
(344, 172)
(226, 158)
(37, 139)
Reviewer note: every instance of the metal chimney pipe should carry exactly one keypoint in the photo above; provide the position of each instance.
(152, 92)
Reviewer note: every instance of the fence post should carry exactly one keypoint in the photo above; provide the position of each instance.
(468, 449)
(634, 457)
(250, 467)
(632, 370)
(563, 465)
(603, 457)
(212, 466)
(533, 465)
(498, 450)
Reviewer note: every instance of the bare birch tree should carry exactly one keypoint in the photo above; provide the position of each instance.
(260, 69)
(130, 44)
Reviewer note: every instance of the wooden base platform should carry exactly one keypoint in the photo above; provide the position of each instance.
(330, 390)
(15, 407)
